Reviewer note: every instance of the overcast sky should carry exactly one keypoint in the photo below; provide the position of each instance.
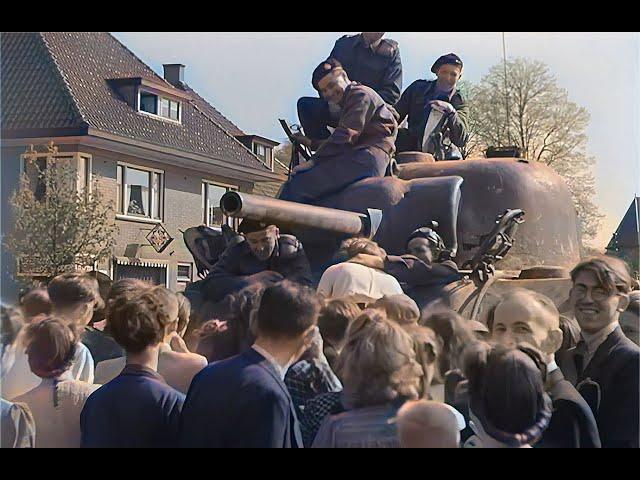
(255, 78)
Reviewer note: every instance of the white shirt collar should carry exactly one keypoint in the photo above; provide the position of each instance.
(282, 371)
(552, 366)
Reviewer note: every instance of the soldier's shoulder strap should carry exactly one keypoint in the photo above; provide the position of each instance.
(388, 47)
(289, 246)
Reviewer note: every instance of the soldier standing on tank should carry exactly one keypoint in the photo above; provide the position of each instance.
(264, 257)
(360, 147)
(422, 98)
(367, 58)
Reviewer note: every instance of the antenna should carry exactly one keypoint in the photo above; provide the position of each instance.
(506, 91)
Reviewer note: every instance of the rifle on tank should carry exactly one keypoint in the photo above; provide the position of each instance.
(298, 150)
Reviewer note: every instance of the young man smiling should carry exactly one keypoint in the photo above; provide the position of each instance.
(605, 362)
(360, 147)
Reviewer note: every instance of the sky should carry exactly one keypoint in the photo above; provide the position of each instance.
(254, 78)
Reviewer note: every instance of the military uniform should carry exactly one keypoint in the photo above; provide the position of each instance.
(414, 103)
(238, 268)
(360, 147)
(412, 272)
(379, 68)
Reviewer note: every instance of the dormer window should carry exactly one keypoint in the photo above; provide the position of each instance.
(150, 97)
(264, 153)
(161, 106)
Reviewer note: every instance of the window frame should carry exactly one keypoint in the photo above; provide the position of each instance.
(264, 158)
(159, 98)
(74, 157)
(121, 213)
(205, 199)
(181, 279)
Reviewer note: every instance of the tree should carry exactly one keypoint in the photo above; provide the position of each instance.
(543, 122)
(60, 226)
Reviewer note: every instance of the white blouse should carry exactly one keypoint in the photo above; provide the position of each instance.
(56, 410)
(19, 379)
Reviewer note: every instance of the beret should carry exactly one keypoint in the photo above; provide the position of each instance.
(448, 59)
(322, 70)
(251, 226)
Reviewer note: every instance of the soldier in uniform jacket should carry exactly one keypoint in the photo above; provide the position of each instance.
(265, 256)
(368, 59)
(423, 97)
(360, 147)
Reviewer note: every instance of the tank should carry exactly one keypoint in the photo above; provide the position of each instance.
(469, 199)
(549, 236)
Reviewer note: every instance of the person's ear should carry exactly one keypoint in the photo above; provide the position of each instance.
(277, 232)
(553, 342)
(623, 302)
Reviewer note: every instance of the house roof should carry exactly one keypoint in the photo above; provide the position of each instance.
(627, 234)
(57, 82)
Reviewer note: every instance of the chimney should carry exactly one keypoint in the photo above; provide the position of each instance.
(174, 73)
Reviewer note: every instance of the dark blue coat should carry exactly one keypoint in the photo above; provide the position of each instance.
(615, 367)
(238, 267)
(239, 402)
(572, 423)
(379, 68)
(137, 409)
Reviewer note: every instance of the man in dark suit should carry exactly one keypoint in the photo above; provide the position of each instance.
(264, 257)
(605, 365)
(525, 316)
(243, 401)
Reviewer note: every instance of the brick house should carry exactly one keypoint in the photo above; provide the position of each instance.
(163, 154)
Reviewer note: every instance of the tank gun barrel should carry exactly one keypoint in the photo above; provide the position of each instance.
(281, 212)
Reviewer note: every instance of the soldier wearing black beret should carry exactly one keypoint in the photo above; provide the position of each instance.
(441, 97)
(368, 59)
(360, 147)
(264, 257)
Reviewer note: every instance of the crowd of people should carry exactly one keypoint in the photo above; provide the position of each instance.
(287, 360)
(336, 366)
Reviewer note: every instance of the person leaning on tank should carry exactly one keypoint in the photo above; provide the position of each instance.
(430, 104)
(264, 257)
(367, 58)
(360, 147)
(417, 267)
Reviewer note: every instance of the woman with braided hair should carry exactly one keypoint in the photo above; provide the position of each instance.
(508, 405)
(57, 402)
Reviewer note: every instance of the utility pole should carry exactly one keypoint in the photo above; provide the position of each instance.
(506, 89)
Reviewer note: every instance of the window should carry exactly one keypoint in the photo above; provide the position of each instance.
(212, 214)
(148, 103)
(184, 272)
(160, 106)
(139, 192)
(267, 156)
(35, 168)
(264, 153)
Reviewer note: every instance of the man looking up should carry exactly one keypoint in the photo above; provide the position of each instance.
(528, 317)
(360, 147)
(243, 401)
